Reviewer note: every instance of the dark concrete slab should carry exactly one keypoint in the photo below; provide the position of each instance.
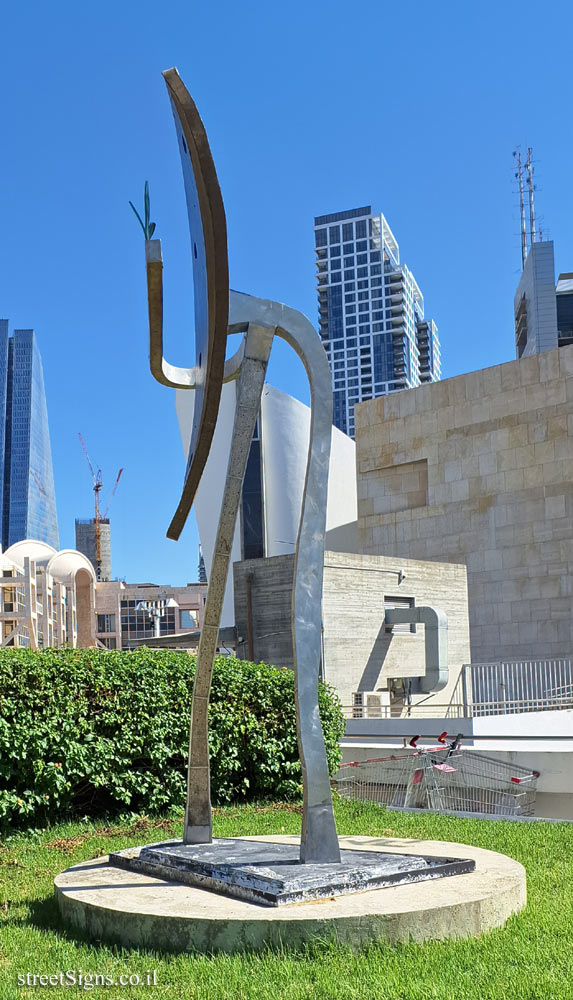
(272, 874)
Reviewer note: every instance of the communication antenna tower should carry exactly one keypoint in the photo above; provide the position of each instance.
(519, 176)
(531, 186)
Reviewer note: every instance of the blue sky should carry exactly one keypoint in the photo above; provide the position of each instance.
(311, 108)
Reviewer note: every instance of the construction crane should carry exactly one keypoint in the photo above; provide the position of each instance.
(99, 517)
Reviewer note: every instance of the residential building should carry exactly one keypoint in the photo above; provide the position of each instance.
(201, 568)
(478, 469)
(371, 312)
(129, 613)
(27, 500)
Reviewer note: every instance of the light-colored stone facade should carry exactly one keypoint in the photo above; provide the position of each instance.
(360, 654)
(497, 448)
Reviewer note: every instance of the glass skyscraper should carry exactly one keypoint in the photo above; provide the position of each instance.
(371, 312)
(28, 500)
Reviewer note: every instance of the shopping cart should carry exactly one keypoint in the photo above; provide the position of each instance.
(445, 778)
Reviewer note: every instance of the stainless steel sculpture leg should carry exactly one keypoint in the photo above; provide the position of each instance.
(198, 825)
(319, 841)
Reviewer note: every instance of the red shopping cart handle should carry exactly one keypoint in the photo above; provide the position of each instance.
(414, 741)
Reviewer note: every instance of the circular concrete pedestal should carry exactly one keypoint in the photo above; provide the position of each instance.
(112, 904)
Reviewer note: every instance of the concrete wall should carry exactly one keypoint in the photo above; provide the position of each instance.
(498, 445)
(359, 655)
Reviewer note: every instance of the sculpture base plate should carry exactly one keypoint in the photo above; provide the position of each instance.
(273, 875)
(134, 910)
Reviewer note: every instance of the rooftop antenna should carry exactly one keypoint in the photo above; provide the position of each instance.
(531, 186)
(519, 176)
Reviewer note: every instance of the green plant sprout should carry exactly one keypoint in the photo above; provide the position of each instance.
(147, 226)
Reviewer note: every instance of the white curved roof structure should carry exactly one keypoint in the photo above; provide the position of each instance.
(64, 565)
(39, 552)
(285, 431)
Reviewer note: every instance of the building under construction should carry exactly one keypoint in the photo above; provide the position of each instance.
(93, 534)
(87, 530)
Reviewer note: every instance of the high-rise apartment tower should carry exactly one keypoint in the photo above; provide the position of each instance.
(27, 500)
(371, 312)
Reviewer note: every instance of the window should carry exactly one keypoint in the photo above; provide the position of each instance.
(252, 507)
(188, 618)
(335, 276)
(106, 623)
(362, 258)
(362, 272)
(347, 233)
(320, 238)
(404, 628)
(361, 229)
(361, 246)
(334, 234)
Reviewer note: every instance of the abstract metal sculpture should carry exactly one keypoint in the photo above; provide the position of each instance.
(219, 313)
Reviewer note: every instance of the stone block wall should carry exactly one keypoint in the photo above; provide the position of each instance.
(498, 444)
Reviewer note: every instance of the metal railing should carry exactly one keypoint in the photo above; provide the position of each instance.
(511, 686)
(397, 710)
(508, 687)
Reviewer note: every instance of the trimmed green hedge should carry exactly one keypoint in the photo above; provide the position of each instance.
(90, 732)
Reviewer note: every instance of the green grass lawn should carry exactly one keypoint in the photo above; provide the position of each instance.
(532, 956)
